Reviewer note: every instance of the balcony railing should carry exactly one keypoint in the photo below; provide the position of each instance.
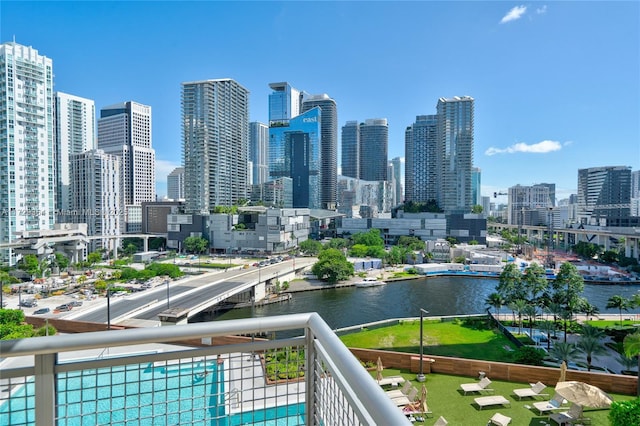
(192, 374)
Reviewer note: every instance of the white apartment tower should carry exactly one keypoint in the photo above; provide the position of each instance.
(215, 142)
(27, 159)
(175, 184)
(259, 152)
(95, 194)
(75, 123)
(125, 129)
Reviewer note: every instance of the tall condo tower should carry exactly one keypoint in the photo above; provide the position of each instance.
(215, 142)
(374, 142)
(75, 120)
(397, 180)
(351, 149)
(328, 147)
(27, 159)
(604, 195)
(455, 153)
(124, 129)
(175, 184)
(95, 194)
(421, 159)
(285, 101)
(259, 151)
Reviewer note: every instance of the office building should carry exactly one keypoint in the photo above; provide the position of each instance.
(476, 186)
(95, 195)
(258, 152)
(374, 142)
(328, 147)
(604, 196)
(285, 101)
(635, 193)
(27, 159)
(124, 129)
(529, 205)
(421, 172)
(215, 143)
(455, 153)
(295, 152)
(75, 124)
(350, 137)
(398, 174)
(175, 184)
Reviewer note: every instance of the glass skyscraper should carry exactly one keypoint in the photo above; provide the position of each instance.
(351, 149)
(374, 141)
(294, 152)
(215, 138)
(421, 173)
(259, 152)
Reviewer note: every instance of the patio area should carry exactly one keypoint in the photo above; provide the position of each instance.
(446, 399)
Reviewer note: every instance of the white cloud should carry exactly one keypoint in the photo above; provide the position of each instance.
(536, 148)
(541, 10)
(163, 168)
(514, 14)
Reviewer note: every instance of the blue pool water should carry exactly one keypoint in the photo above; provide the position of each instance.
(135, 395)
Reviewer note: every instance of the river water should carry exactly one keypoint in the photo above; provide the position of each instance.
(348, 306)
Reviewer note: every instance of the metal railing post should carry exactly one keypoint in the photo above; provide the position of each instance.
(310, 378)
(45, 391)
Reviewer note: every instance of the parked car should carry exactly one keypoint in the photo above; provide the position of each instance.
(29, 303)
(75, 303)
(64, 308)
(41, 311)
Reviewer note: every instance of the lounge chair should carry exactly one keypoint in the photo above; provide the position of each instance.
(533, 391)
(395, 393)
(391, 380)
(574, 415)
(441, 422)
(476, 387)
(500, 420)
(486, 401)
(553, 404)
(407, 399)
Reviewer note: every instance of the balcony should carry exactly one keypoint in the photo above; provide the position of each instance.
(192, 374)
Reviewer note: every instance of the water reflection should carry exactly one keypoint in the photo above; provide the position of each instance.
(440, 296)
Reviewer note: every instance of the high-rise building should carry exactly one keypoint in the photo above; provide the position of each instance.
(328, 147)
(27, 159)
(175, 184)
(95, 194)
(75, 124)
(635, 193)
(259, 152)
(455, 153)
(421, 159)
(350, 137)
(124, 129)
(285, 102)
(604, 195)
(295, 152)
(398, 175)
(215, 139)
(476, 186)
(374, 142)
(529, 205)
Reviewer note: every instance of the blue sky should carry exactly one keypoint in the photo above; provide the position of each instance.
(556, 84)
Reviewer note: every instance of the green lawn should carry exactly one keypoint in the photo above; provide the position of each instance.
(454, 338)
(445, 399)
(613, 323)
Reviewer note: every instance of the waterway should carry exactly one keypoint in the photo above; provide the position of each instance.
(440, 296)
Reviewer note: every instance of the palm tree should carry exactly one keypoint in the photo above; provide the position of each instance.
(620, 303)
(547, 327)
(556, 310)
(566, 316)
(631, 346)
(496, 301)
(564, 351)
(531, 312)
(590, 345)
(518, 307)
(589, 310)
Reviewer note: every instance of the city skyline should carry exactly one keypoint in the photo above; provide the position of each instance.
(555, 84)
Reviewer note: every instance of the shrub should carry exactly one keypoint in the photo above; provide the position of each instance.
(624, 413)
(529, 355)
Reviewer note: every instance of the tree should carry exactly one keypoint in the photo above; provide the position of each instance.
(94, 257)
(631, 347)
(195, 244)
(496, 301)
(510, 283)
(332, 266)
(62, 261)
(397, 255)
(338, 243)
(518, 306)
(369, 238)
(563, 351)
(620, 303)
(412, 243)
(590, 343)
(547, 327)
(477, 209)
(588, 309)
(535, 281)
(310, 247)
(30, 264)
(531, 311)
(567, 287)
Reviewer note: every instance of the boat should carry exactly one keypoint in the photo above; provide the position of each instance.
(369, 282)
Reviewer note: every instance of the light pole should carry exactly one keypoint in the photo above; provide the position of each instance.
(20, 297)
(420, 377)
(167, 282)
(108, 307)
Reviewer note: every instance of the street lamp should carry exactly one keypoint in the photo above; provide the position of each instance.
(109, 307)
(420, 377)
(167, 283)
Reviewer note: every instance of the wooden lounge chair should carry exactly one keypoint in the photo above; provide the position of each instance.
(553, 404)
(441, 422)
(486, 401)
(391, 380)
(395, 393)
(407, 399)
(499, 420)
(574, 415)
(533, 391)
(477, 387)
